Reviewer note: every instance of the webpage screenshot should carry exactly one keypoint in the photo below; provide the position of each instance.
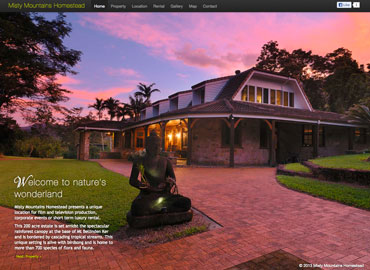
(184, 134)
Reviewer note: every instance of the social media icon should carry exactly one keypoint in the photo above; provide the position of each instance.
(356, 4)
(344, 4)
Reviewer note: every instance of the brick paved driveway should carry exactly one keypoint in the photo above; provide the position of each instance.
(259, 216)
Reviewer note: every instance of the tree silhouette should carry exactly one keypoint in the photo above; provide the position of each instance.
(32, 55)
(360, 113)
(145, 91)
(99, 106)
(111, 105)
(136, 105)
(122, 111)
(332, 82)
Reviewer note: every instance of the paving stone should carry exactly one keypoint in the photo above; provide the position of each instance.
(258, 216)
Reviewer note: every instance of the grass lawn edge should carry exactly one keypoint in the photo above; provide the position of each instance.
(316, 195)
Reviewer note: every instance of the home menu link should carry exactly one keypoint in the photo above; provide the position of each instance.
(183, 6)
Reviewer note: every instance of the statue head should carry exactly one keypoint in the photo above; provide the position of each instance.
(153, 144)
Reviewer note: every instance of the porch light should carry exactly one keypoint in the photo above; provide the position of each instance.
(178, 135)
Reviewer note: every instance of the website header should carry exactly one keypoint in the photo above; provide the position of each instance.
(182, 6)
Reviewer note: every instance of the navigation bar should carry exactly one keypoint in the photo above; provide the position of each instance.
(183, 6)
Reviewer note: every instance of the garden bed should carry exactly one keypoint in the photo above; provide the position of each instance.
(361, 177)
(294, 169)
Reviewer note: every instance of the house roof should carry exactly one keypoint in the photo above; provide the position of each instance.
(212, 80)
(181, 92)
(159, 101)
(102, 125)
(233, 84)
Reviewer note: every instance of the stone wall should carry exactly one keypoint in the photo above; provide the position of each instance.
(336, 141)
(290, 142)
(207, 148)
(84, 145)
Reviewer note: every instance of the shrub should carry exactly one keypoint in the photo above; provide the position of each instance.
(45, 147)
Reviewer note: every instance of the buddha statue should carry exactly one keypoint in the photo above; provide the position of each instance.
(157, 179)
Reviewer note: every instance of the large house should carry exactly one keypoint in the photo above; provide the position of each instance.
(254, 117)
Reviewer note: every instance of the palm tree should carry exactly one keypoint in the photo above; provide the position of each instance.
(111, 105)
(99, 106)
(360, 113)
(136, 105)
(145, 91)
(122, 111)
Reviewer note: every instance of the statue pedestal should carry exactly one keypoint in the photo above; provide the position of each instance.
(141, 222)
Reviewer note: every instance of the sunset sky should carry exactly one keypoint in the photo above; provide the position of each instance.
(178, 50)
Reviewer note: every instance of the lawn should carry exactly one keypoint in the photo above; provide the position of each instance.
(115, 197)
(297, 167)
(358, 197)
(357, 162)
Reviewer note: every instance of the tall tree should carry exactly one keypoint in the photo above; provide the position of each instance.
(360, 112)
(32, 54)
(346, 83)
(99, 106)
(269, 58)
(111, 105)
(122, 111)
(136, 105)
(332, 82)
(146, 91)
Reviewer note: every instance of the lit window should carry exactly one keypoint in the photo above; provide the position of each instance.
(307, 135)
(245, 93)
(259, 94)
(251, 94)
(140, 139)
(272, 96)
(360, 135)
(285, 98)
(278, 97)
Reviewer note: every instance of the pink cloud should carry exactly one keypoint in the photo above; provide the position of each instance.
(223, 42)
(67, 80)
(121, 72)
(86, 95)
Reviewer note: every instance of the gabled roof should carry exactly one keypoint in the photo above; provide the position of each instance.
(233, 84)
(236, 81)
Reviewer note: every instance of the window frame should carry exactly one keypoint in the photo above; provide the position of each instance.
(265, 96)
(254, 93)
(225, 135)
(361, 137)
(307, 134)
(291, 99)
(265, 130)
